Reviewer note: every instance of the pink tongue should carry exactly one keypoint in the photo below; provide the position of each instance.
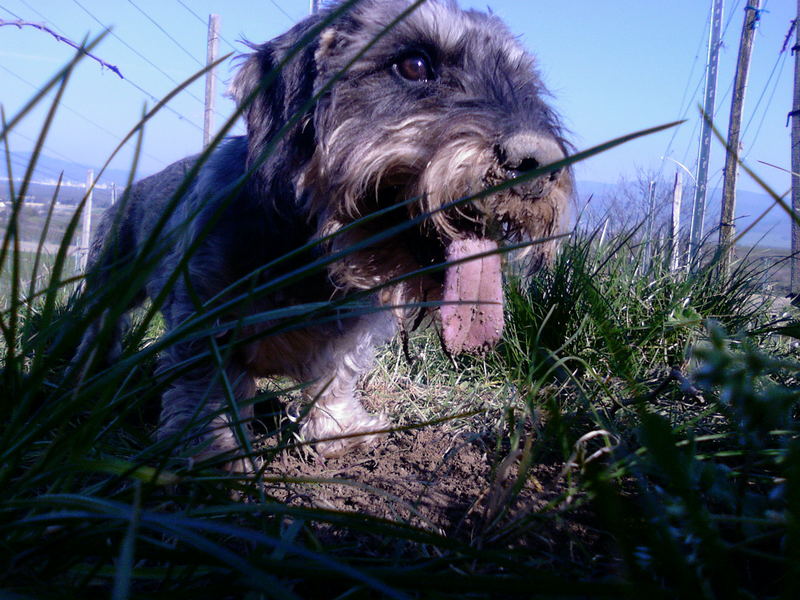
(472, 315)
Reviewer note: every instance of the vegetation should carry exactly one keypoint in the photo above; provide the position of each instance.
(663, 404)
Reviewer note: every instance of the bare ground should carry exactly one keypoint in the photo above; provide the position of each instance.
(444, 482)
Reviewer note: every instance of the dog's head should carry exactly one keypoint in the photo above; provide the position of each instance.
(422, 110)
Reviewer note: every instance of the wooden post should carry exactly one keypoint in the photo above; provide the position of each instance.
(86, 231)
(795, 285)
(675, 223)
(699, 206)
(727, 226)
(211, 78)
(313, 6)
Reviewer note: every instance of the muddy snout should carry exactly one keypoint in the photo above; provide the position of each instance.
(520, 153)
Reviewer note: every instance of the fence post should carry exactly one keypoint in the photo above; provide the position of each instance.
(675, 222)
(701, 183)
(211, 78)
(728, 211)
(86, 231)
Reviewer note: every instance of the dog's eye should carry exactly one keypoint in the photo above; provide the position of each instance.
(414, 68)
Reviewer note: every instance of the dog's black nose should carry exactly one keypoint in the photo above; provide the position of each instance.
(526, 151)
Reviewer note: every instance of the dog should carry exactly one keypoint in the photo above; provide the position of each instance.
(368, 124)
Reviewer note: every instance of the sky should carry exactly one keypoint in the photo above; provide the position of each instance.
(613, 67)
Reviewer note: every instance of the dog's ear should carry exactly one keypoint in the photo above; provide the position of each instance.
(275, 84)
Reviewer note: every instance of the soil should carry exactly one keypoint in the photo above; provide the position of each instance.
(444, 482)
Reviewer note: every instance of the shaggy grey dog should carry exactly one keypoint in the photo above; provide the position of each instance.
(412, 113)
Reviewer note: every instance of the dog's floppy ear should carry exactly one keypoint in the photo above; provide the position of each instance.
(274, 84)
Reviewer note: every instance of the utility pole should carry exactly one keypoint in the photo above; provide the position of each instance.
(727, 225)
(699, 206)
(795, 114)
(86, 232)
(211, 78)
(313, 6)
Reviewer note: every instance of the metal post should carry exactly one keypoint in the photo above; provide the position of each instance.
(795, 285)
(211, 78)
(728, 211)
(86, 232)
(699, 206)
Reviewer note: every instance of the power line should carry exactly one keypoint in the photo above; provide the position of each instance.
(18, 161)
(782, 61)
(688, 100)
(167, 106)
(731, 16)
(196, 16)
(166, 33)
(127, 79)
(46, 20)
(111, 134)
(205, 24)
(15, 15)
(280, 8)
(47, 148)
(140, 55)
(176, 42)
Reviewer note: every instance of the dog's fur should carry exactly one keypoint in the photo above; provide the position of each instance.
(445, 105)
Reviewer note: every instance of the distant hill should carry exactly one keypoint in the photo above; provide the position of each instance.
(772, 230)
(48, 169)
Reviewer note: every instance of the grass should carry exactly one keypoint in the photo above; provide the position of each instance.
(665, 403)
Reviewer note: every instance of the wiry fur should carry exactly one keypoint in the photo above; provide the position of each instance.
(373, 139)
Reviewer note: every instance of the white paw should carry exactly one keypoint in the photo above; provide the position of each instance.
(332, 438)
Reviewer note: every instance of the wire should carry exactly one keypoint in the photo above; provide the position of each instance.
(22, 163)
(280, 8)
(731, 15)
(142, 56)
(166, 33)
(46, 20)
(178, 44)
(196, 16)
(48, 149)
(782, 61)
(111, 134)
(688, 100)
(12, 13)
(199, 18)
(128, 80)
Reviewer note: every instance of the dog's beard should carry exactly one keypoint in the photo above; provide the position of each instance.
(397, 168)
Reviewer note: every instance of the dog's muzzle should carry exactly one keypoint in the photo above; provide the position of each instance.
(472, 307)
(523, 152)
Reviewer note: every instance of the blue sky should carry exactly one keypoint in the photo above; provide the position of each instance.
(613, 67)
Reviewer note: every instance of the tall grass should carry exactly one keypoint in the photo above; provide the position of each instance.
(662, 397)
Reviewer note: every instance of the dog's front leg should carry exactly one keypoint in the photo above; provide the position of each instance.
(203, 408)
(336, 417)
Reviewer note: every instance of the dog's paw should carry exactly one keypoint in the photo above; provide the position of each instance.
(332, 438)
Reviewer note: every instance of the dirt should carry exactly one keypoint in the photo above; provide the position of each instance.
(444, 482)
